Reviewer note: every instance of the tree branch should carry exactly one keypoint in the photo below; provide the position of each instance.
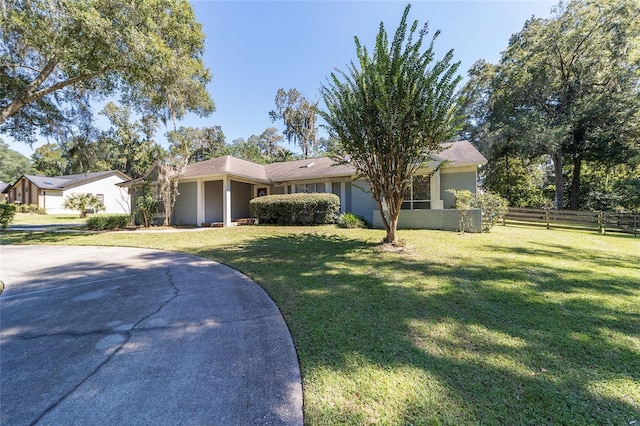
(32, 94)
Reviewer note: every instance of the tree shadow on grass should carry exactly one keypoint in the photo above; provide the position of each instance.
(493, 338)
(37, 237)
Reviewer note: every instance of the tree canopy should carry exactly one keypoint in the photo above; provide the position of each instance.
(567, 88)
(13, 164)
(56, 54)
(299, 116)
(390, 110)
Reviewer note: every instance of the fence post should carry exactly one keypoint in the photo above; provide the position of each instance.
(601, 222)
(546, 217)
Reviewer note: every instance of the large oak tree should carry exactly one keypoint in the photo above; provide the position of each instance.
(54, 54)
(390, 110)
(566, 87)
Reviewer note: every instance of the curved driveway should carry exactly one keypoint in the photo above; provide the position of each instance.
(104, 335)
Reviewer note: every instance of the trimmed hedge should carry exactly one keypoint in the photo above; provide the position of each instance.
(296, 209)
(110, 222)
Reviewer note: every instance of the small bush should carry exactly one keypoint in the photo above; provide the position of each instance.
(110, 222)
(30, 208)
(7, 213)
(146, 207)
(296, 209)
(351, 221)
(463, 199)
(493, 208)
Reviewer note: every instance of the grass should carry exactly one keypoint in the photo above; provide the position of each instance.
(47, 219)
(518, 326)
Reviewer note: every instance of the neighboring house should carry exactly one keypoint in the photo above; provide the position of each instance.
(50, 192)
(4, 191)
(218, 191)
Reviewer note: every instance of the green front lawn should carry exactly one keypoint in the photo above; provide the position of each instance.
(47, 219)
(518, 326)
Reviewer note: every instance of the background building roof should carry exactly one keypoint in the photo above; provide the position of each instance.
(68, 181)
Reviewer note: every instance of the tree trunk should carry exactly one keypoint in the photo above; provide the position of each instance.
(385, 223)
(575, 184)
(394, 207)
(392, 232)
(556, 157)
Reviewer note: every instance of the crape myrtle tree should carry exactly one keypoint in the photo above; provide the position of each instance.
(57, 54)
(390, 110)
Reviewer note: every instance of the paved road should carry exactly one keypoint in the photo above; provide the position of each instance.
(93, 335)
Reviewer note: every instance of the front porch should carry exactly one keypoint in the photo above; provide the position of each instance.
(221, 201)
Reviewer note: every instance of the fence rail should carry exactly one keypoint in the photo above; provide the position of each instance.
(596, 220)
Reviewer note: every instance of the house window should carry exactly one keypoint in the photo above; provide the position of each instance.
(100, 198)
(418, 195)
(309, 187)
(262, 192)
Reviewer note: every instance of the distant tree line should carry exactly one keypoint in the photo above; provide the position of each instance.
(130, 145)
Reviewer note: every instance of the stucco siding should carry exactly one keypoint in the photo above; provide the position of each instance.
(213, 201)
(241, 193)
(116, 199)
(184, 212)
(53, 201)
(359, 200)
(447, 220)
(459, 181)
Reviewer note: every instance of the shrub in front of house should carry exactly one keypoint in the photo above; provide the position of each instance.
(7, 213)
(351, 221)
(30, 208)
(146, 208)
(296, 209)
(108, 222)
(493, 208)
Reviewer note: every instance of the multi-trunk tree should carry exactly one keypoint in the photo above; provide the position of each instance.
(390, 110)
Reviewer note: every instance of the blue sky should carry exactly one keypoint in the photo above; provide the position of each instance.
(253, 48)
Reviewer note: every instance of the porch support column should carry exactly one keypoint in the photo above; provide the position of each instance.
(226, 201)
(436, 202)
(199, 202)
(343, 197)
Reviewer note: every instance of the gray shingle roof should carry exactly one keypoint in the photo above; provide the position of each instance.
(227, 165)
(310, 168)
(460, 153)
(68, 181)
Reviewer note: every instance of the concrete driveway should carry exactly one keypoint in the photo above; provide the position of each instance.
(92, 335)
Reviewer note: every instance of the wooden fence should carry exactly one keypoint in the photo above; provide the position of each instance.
(596, 220)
